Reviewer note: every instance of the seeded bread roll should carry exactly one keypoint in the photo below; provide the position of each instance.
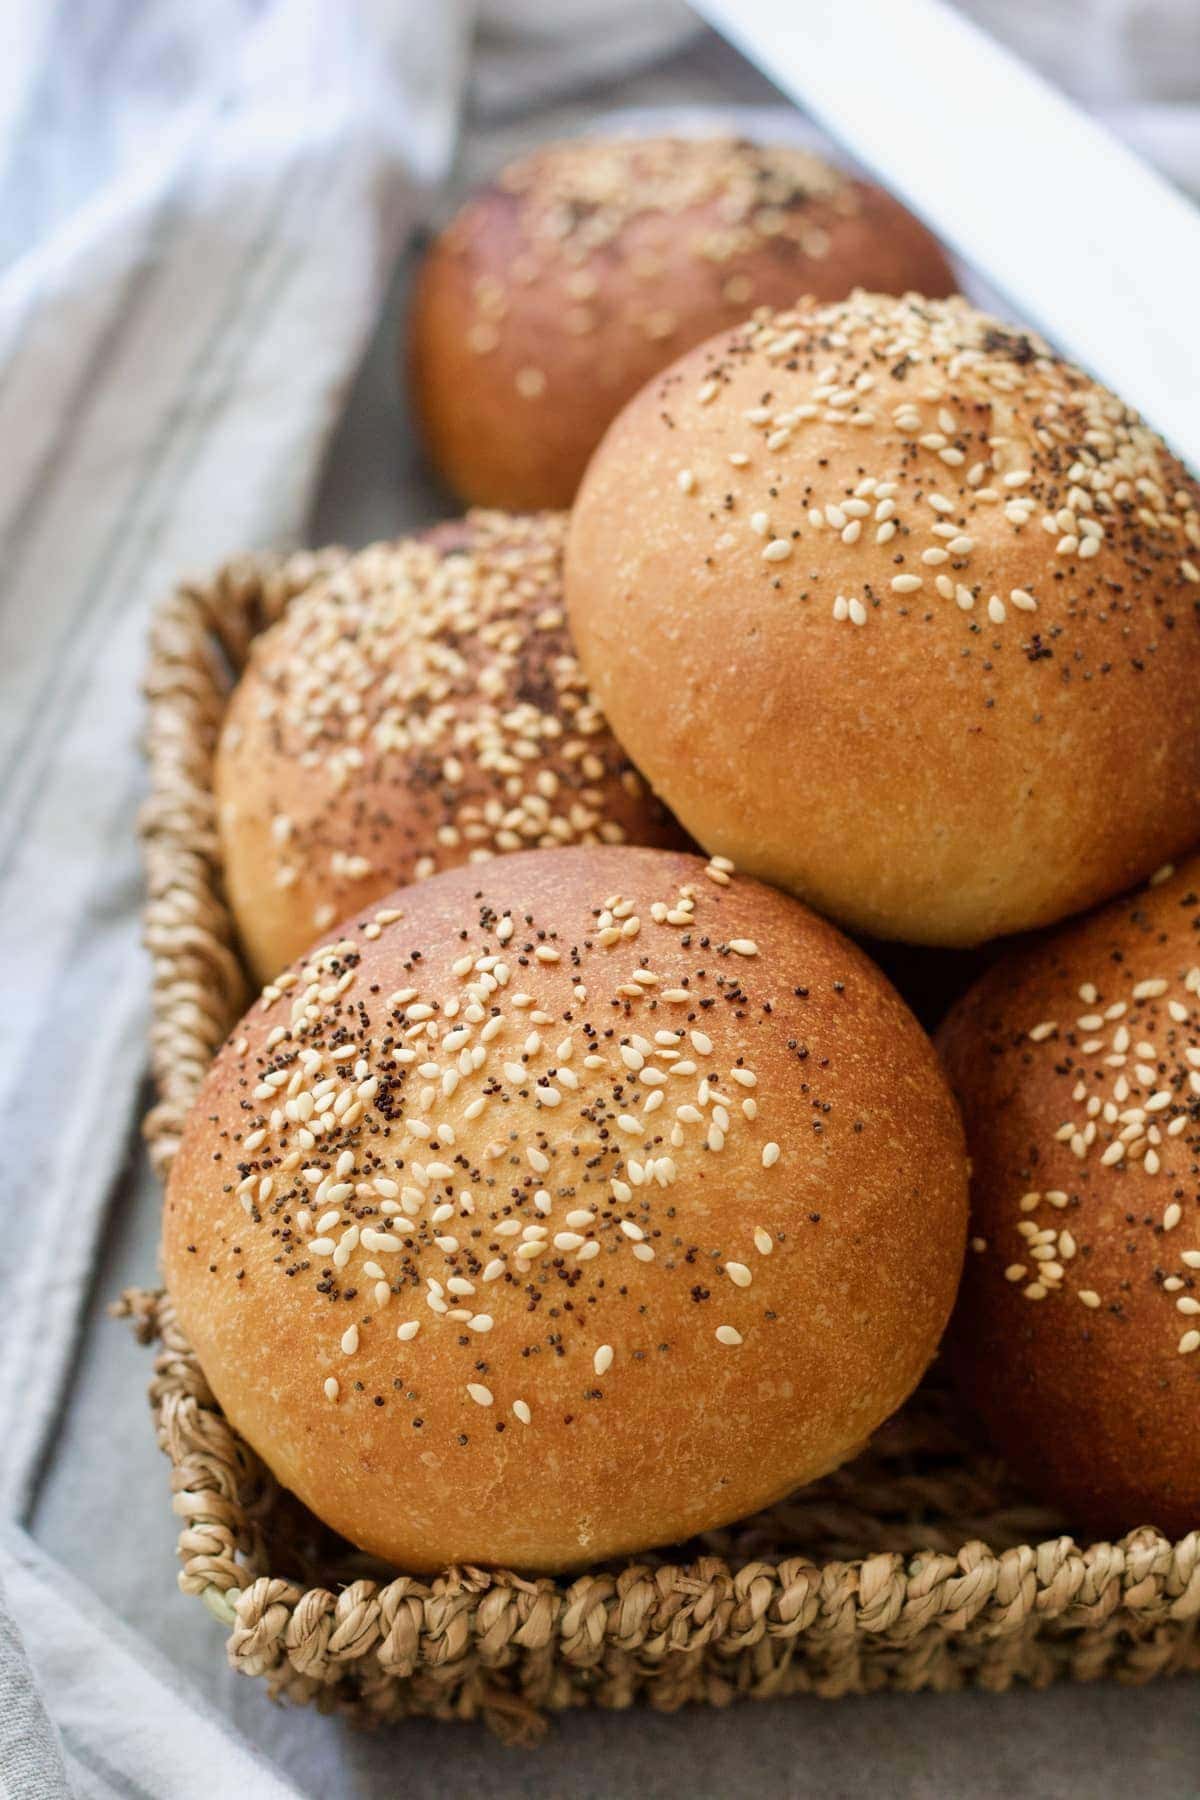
(589, 265)
(900, 611)
(571, 1205)
(1077, 1335)
(419, 709)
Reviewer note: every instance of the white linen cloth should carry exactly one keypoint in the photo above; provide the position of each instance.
(200, 208)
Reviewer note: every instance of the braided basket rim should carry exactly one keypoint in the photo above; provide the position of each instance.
(935, 1610)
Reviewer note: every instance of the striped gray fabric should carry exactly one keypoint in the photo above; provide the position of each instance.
(135, 1735)
(31, 1755)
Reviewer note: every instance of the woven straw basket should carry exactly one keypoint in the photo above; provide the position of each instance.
(920, 1565)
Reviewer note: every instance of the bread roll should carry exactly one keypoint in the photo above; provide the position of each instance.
(420, 709)
(1077, 1335)
(899, 610)
(571, 1205)
(590, 265)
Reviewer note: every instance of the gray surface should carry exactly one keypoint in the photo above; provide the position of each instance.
(1072, 1741)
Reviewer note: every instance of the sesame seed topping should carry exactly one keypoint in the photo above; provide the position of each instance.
(1130, 1075)
(728, 1334)
(406, 672)
(421, 1209)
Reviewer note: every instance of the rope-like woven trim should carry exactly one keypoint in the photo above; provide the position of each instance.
(198, 643)
(472, 1640)
(906, 1592)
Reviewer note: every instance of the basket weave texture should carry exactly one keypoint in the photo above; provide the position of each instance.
(920, 1565)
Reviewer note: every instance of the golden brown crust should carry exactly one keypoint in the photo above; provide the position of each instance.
(419, 709)
(1077, 1064)
(738, 1281)
(917, 605)
(590, 265)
